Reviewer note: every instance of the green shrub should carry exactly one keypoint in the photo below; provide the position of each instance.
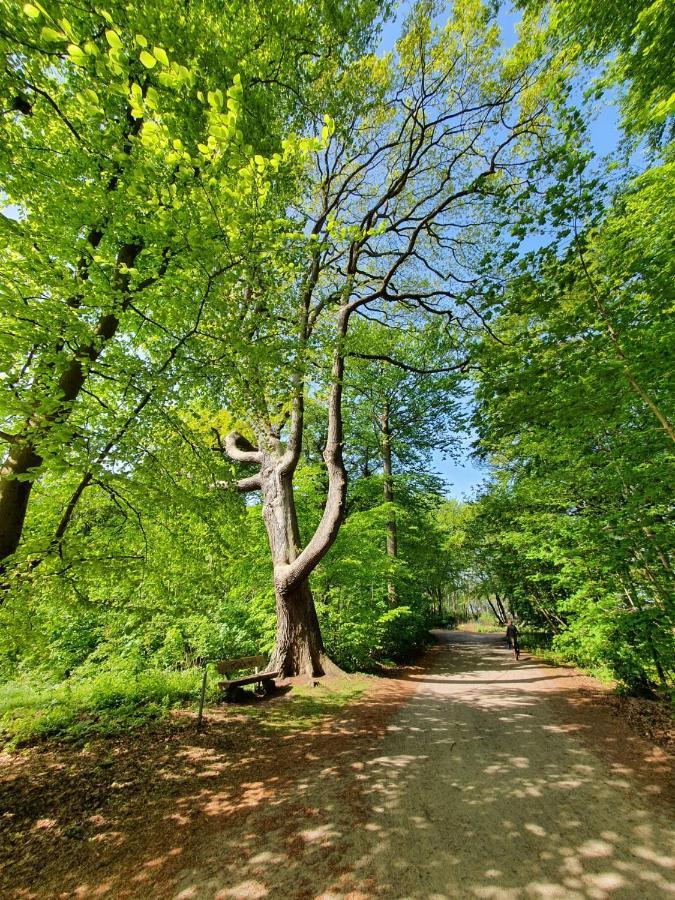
(112, 702)
(349, 643)
(358, 645)
(401, 631)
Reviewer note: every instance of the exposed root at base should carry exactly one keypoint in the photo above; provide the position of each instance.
(329, 667)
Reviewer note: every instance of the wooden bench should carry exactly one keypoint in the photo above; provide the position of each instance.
(263, 679)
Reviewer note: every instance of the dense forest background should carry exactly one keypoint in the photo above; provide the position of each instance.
(251, 262)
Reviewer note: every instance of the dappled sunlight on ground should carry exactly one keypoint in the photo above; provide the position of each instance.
(178, 813)
(474, 776)
(500, 799)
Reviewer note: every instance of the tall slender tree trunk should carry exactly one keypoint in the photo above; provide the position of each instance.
(388, 483)
(636, 602)
(500, 607)
(498, 614)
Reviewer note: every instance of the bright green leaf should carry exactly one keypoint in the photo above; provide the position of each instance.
(160, 55)
(51, 35)
(113, 39)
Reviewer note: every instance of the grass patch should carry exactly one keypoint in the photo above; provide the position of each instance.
(116, 702)
(305, 706)
(110, 703)
(481, 627)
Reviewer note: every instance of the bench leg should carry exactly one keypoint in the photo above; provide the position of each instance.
(264, 687)
(232, 694)
(267, 687)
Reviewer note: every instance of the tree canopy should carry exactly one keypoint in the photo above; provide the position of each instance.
(260, 272)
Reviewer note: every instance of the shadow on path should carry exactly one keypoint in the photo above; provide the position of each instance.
(486, 791)
(471, 779)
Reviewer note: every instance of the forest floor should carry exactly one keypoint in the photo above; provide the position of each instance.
(468, 776)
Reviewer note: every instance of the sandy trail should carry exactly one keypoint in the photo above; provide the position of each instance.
(482, 791)
(483, 784)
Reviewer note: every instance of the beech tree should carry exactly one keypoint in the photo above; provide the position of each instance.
(630, 45)
(574, 410)
(415, 149)
(128, 169)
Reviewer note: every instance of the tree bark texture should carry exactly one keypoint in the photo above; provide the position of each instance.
(299, 646)
(22, 460)
(392, 534)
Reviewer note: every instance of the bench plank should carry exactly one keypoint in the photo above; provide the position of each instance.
(244, 662)
(248, 679)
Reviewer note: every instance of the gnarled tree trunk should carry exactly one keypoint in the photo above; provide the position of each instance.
(299, 647)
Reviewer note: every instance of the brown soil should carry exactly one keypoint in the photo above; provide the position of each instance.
(470, 776)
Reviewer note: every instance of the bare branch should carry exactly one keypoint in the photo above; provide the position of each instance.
(243, 485)
(239, 449)
(458, 367)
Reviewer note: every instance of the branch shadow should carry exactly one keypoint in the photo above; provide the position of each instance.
(474, 788)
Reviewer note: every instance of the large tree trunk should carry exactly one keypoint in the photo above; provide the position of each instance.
(21, 460)
(392, 534)
(299, 647)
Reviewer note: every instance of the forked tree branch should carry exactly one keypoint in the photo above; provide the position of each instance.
(287, 576)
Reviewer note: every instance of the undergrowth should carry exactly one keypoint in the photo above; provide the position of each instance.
(104, 705)
(538, 643)
(114, 703)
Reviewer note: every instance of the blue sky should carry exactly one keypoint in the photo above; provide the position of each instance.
(462, 474)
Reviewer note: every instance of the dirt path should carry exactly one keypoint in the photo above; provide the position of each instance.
(484, 785)
(475, 777)
(485, 788)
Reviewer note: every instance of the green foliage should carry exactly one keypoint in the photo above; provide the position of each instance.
(575, 411)
(186, 211)
(358, 639)
(634, 41)
(358, 622)
(112, 702)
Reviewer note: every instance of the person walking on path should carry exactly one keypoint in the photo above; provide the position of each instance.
(512, 638)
